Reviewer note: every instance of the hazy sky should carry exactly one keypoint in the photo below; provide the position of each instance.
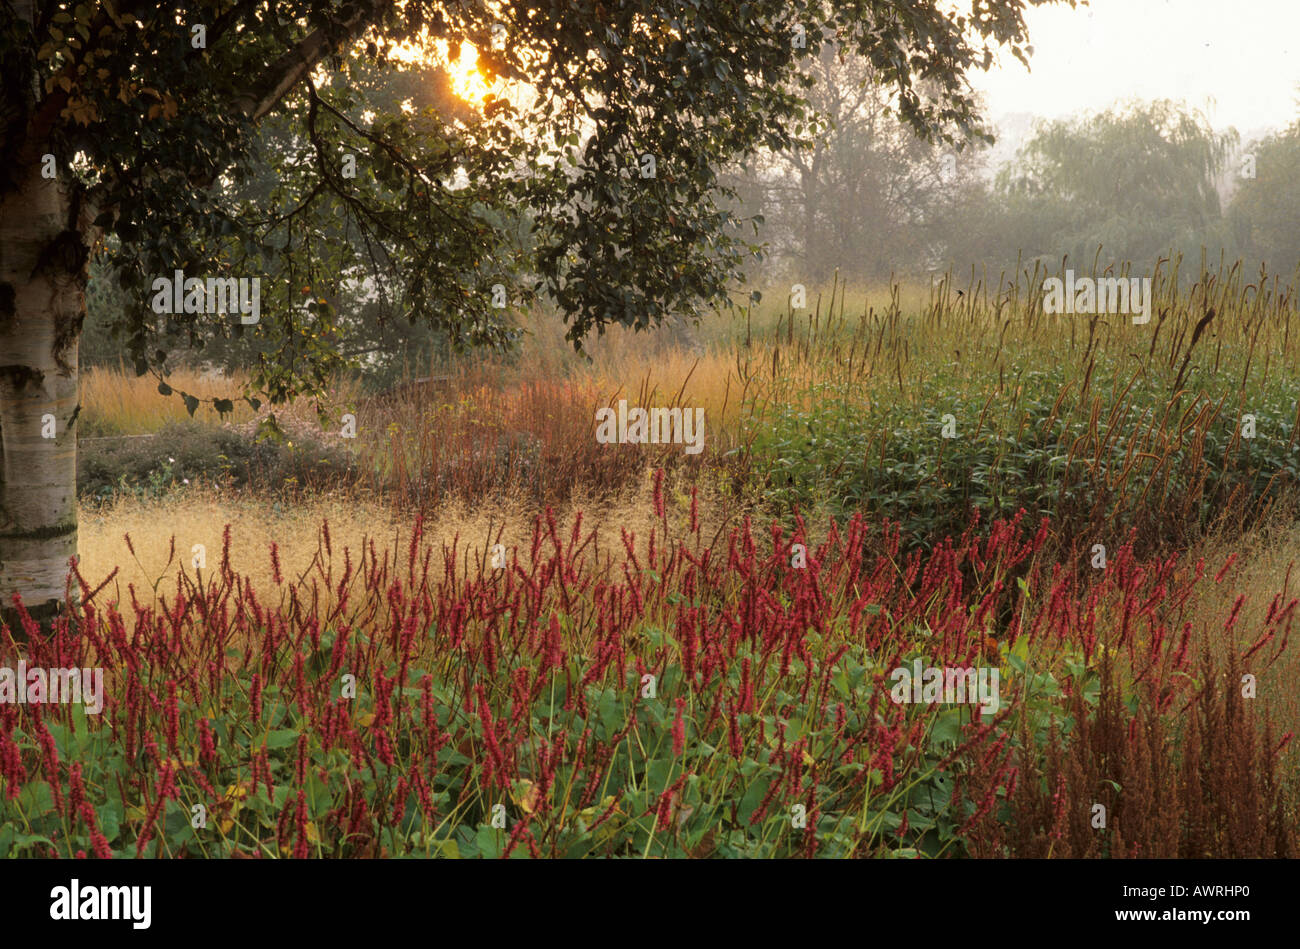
(1245, 54)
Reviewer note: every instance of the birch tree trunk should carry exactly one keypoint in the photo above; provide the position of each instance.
(42, 304)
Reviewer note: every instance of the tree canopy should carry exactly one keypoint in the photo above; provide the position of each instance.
(246, 138)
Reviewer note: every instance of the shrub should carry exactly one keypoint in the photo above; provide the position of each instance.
(191, 452)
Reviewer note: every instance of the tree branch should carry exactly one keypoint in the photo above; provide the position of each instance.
(295, 64)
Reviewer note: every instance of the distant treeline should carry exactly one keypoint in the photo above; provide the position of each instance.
(1139, 181)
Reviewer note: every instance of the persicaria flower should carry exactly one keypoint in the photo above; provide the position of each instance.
(300, 849)
(255, 696)
(733, 734)
(399, 800)
(50, 756)
(172, 712)
(207, 743)
(679, 730)
(11, 766)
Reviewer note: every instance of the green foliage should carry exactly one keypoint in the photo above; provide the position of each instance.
(1099, 424)
(894, 460)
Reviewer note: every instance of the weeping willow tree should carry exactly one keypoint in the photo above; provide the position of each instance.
(1137, 180)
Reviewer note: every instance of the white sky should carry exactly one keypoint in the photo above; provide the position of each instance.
(1243, 54)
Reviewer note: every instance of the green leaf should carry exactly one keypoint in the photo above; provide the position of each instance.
(752, 798)
(491, 841)
(36, 799)
(282, 738)
(609, 713)
(947, 726)
(109, 815)
(80, 729)
(23, 840)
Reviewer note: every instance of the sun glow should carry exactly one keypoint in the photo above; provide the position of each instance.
(466, 81)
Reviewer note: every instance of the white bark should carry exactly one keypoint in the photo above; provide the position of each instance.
(42, 299)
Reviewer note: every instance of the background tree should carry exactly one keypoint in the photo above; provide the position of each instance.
(1265, 211)
(860, 193)
(128, 127)
(1138, 180)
